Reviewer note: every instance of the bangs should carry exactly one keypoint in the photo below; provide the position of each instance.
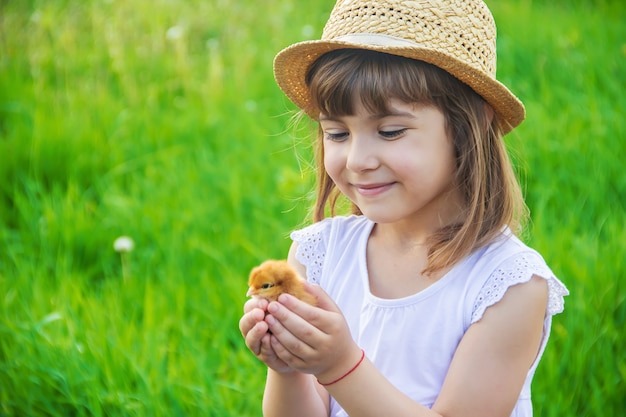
(341, 80)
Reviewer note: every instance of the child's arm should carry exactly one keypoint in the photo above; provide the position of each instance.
(484, 379)
(490, 365)
(287, 391)
(294, 394)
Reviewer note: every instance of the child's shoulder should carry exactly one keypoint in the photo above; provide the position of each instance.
(315, 241)
(506, 262)
(505, 245)
(509, 255)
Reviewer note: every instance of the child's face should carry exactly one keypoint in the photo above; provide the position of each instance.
(395, 167)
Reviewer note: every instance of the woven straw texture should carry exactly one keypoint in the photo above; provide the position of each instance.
(457, 36)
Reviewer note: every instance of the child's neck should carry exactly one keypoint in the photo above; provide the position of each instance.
(395, 262)
(404, 236)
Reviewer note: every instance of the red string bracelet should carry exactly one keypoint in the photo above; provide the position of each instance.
(347, 373)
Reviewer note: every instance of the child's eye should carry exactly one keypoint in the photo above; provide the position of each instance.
(391, 134)
(336, 137)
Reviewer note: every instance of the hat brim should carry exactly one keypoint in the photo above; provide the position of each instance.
(292, 64)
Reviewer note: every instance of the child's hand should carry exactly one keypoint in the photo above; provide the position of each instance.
(255, 331)
(313, 340)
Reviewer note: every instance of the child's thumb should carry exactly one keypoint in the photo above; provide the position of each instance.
(323, 299)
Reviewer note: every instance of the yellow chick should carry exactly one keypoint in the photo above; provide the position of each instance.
(273, 278)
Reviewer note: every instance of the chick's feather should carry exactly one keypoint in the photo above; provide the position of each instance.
(275, 277)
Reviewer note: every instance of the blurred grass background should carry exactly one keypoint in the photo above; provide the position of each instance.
(160, 120)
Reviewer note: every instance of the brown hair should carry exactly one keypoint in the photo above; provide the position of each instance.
(484, 173)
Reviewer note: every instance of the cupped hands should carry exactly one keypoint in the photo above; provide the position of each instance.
(290, 335)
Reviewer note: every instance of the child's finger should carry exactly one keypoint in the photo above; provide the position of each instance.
(317, 316)
(253, 303)
(255, 335)
(269, 356)
(323, 299)
(293, 331)
(250, 319)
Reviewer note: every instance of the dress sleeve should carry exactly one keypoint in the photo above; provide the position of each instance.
(517, 270)
(311, 249)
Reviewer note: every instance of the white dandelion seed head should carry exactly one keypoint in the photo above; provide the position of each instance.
(123, 244)
(174, 33)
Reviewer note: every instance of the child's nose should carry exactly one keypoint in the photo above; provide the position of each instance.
(361, 155)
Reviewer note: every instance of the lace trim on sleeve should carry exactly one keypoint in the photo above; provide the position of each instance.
(516, 271)
(311, 250)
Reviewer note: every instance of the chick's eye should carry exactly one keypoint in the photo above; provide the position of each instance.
(267, 285)
(392, 134)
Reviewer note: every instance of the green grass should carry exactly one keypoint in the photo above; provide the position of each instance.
(160, 120)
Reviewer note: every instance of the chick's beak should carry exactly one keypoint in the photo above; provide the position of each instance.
(250, 292)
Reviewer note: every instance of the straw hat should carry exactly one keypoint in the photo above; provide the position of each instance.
(458, 36)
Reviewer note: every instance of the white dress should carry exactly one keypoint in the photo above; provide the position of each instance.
(412, 340)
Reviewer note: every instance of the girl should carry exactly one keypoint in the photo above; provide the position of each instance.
(427, 302)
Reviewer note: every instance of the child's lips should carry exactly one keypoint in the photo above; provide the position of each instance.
(371, 190)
